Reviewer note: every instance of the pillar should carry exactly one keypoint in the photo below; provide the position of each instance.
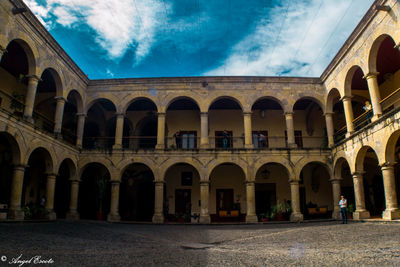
(348, 112)
(158, 216)
(204, 140)
(336, 198)
(33, 81)
(79, 129)
(119, 130)
(113, 216)
(59, 114)
(161, 131)
(373, 88)
(392, 211)
(290, 129)
(204, 197)
(15, 212)
(361, 212)
(251, 216)
(73, 204)
(248, 140)
(296, 215)
(50, 189)
(329, 128)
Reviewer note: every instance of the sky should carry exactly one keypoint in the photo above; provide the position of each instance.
(175, 38)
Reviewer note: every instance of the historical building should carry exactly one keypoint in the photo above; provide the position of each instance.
(214, 148)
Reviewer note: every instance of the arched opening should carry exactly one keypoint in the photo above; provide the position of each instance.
(343, 172)
(97, 133)
(309, 124)
(335, 106)
(70, 119)
(227, 193)
(183, 124)
(225, 122)
(9, 156)
(34, 187)
(136, 201)
(387, 60)
(273, 192)
(45, 102)
(142, 113)
(94, 192)
(392, 154)
(315, 191)
(63, 188)
(268, 123)
(368, 164)
(357, 87)
(182, 193)
(14, 67)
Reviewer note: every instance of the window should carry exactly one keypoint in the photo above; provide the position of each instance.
(188, 139)
(220, 137)
(298, 139)
(260, 139)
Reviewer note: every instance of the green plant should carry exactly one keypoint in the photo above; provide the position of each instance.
(350, 208)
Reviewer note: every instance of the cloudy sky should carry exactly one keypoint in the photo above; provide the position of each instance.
(162, 38)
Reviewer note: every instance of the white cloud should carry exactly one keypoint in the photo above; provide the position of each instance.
(304, 47)
(119, 24)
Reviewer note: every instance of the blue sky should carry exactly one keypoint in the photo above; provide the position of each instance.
(164, 38)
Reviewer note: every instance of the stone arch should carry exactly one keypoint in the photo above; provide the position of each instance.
(181, 97)
(285, 163)
(58, 77)
(360, 156)
(126, 105)
(215, 163)
(332, 95)
(338, 166)
(373, 52)
(305, 161)
(15, 147)
(171, 162)
(103, 161)
(215, 99)
(72, 165)
(349, 78)
(311, 98)
(390, 147)
(30, 51)
(283, 106)
(91, 102)
(123, 165)
(78, 98)
(49, 156)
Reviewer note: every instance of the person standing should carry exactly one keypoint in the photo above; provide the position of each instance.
(343, 206)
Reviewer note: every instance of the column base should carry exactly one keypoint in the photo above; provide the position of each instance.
(296, 217)
(113, 218)
(72, 216)
(205, 219)
(29, 119)
(359, 215)
(17, 215)
(52, 216)
(391, 214)
(375, 117)
(336, 215)
(117, 147)
(158, 219)
(348, 134)
(160, 147)
(251, 219)
(292, 145)
(204, 146)
(249, 146)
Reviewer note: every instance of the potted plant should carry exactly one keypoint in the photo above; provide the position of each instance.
(280, 210)
(350, 210)
(264, 217)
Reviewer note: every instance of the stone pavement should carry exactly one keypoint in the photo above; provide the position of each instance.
(86, 243)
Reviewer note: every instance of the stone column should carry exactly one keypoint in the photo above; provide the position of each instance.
(392, 211)
(15, 212)
(373, 88)
(158, 216)
(204, 197)
(290, 129)
(251, 216)
(336, 197)
(33, 81)
(161, 131)
(348, 112)
(204, 140)
(119, 131)
(361, 212)
(80, 128)
(50, 189)
(114, 213)
(296, 215)
(73, 204)
(329, 128)
(248, 140)
(59, 114)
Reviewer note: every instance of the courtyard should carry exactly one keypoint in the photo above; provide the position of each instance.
(90, 243)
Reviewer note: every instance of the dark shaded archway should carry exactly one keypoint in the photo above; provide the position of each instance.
(63, 188)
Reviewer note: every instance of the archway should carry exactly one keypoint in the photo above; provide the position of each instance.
(343, 172)
(142, 113)
(97, 134)
(227, 193)
(315, 191)
(183, 123)
(335, 107)
(226, 114)
(136, 201)
(94, 192)
(182, 193)
(70, 120)
(268, 123)
(63, 188)
(392, 154)
(309, 124)
(273, 192)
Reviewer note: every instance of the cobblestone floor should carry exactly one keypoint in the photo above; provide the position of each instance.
(87, 243)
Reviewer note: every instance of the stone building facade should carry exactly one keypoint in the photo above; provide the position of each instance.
(216, 148)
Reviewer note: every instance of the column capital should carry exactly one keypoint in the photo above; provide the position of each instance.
(250, 182)
(247, 113)
(329, 113)
(346, 98)
(81, 114)
(387, 165)
(294, 181)
(157, 182)
(204, 182)
(60, 99)
(358, 174)
(371, 75)
(20, 167)
(75, 180)
(161, 113)
(113, 182)
(120, 114)
(33, 77)
(51, 175)
(203, 113)
(288, 113)
(335, 180)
